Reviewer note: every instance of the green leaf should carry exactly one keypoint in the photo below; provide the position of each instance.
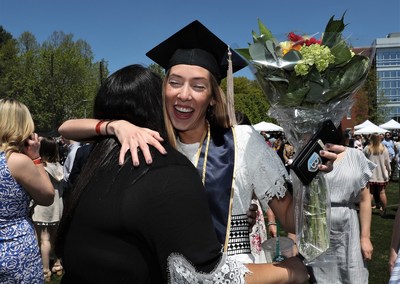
(265, 31)
(277, 78)
(294, 98)
(244, 52)
(259, 52)
(346, 79)
(314, 96)
(333, 32)
(292, 56)
(270, 45)
(341, 52)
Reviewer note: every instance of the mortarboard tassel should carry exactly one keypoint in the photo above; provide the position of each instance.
(230, 90)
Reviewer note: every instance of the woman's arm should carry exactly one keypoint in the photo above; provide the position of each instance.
(283, 209)
(32, 176)
(365, 224)
(130, 136)
(271, 224)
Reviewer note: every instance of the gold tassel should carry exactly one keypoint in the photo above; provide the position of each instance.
(230, 100)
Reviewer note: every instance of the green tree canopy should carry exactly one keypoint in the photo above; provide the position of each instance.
(57, 79)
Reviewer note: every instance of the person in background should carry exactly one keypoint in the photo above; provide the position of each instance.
(391, 146)
(22, 178)
(72, 146)
(288, 154)
(379, 155)
(125, 223)
(358, 143)
(82, 153)
(350, 139)
(350, 244)
(266, 138)
(47, 218)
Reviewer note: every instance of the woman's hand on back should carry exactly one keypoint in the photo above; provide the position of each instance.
(135, 138)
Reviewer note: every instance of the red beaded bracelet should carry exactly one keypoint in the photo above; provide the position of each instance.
(37, 161)
(97, 128)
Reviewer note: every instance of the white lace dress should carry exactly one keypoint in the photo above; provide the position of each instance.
(229, 271)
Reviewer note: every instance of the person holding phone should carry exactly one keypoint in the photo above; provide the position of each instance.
(22, 178)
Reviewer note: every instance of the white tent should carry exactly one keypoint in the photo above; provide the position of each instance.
(391, 124)
(370, 129)
(364, 124)
(267, 126)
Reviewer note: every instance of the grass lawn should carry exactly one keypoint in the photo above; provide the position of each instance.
(381, 232)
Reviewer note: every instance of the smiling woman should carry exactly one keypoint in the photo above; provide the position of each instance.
(188, 95)
(232, 161)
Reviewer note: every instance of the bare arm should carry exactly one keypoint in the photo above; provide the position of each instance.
(79, 129)
(365, 224)
(130, 136)
(271, 224)
(32, 177)
(283, 208)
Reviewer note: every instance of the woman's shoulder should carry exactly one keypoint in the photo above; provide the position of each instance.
(18, 160)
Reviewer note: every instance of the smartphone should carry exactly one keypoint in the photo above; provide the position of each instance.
(305, 164)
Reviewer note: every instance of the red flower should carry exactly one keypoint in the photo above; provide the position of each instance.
(295, 38)
(299, 40)
(312, 41)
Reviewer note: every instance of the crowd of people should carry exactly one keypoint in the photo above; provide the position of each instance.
(161, 185)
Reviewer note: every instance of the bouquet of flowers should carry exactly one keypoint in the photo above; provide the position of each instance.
(307, 80)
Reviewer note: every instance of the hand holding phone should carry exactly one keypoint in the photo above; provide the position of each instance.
(32, 146)
(306, 162)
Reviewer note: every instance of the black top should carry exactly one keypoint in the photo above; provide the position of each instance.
(129, 220)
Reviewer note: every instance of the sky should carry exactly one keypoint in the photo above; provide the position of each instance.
(122, 31)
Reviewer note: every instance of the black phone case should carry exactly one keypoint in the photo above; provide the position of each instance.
(305, 164)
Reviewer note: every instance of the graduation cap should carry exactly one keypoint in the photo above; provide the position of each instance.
(196, 45)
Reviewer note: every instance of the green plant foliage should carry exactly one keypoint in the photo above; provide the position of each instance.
(305, 71)
(57, 79)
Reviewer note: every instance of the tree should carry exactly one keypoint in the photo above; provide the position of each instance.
(8, 57)
(70, 76)
(249, 99)
(158, 69)
(56, 80)
(370, 88)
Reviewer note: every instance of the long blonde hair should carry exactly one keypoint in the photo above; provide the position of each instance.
(217, 114)
(375, 146)
(16, 125)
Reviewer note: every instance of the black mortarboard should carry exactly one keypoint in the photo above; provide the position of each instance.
(196, 45)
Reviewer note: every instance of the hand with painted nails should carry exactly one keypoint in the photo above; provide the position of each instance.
(135, 138)
(330, 152)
